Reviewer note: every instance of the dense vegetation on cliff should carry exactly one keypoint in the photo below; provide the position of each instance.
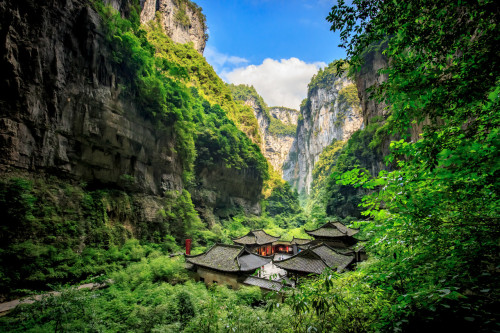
(158, 68)
(93, 222)
(243, 93)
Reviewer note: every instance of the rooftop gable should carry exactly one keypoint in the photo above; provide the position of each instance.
(332, 230)
(306, 262)
(255, 237)
(315, 259)
(300, 241)
(333, 258)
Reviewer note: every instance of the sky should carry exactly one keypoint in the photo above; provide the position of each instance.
(274, 45)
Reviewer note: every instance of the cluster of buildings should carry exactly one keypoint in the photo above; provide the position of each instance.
(333, 246)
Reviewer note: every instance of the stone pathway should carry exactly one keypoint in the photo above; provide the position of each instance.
(7, 306)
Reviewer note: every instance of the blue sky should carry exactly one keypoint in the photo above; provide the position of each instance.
(275, 45)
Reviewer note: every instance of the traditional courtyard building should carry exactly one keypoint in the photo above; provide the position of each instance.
(257, 241)
(314, 260)
(334, 234)
(226, 264)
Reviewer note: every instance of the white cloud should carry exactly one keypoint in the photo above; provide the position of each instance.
(280, 83)
(222, 61)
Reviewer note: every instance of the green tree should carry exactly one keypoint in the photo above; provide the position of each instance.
(185, 307)
(435, 217)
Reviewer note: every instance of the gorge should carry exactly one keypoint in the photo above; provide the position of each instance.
(119, 142)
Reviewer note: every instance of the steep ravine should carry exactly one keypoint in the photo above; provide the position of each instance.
(330, 112)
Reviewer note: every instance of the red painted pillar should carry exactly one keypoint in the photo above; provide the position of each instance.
(188, 246)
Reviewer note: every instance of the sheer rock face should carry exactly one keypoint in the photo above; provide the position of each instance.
(325, 118)
(62, 113)
(286, 115)
(192, 30)
(368, 77)
(275, 147)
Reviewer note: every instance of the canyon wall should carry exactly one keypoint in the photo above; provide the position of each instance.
(330, 112)
(63, 113)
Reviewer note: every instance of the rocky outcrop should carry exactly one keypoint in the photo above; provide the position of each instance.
(275, 146)
(183, 21)
(329, 113)
(222, 192)
(286, 115)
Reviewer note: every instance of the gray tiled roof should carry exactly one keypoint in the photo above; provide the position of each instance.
(228, 258)
(300, 241)
(256, 237)
(333, 258)
(221, 257)
(332, 229)
(315, 260)
(263, 283)
(251, 261)
(305, 261)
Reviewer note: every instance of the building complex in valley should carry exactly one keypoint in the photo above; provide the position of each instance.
(262, 260)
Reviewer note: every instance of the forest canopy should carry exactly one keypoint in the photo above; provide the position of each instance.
(434, 219)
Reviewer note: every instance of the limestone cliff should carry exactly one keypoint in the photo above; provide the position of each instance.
(63, 113)
(60, 107)
(276, 125)
(182, 20)
(286, 115)
(330, 112)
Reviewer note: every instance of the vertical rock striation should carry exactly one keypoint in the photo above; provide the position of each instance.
(369, 77)
(330, 112)
(61, 111)
(276, 143)
(183, 21)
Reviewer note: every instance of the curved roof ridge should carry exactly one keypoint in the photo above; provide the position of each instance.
(301, 238)
(339, 228)
(324, 225)
(248, 233)
(328, 246)
(301, 253)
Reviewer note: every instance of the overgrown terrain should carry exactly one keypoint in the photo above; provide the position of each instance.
(430, 219)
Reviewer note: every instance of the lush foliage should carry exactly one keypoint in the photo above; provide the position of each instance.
(158, 72)
(362, 151)
(193, 70)
(435, 230)
(56, 232)
(324, 167)
(348, 95)
(283, 199)
(148, 296)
